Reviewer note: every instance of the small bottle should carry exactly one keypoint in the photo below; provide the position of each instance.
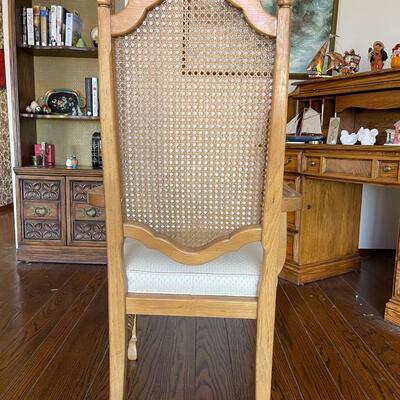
(68, 161)
(74, 162)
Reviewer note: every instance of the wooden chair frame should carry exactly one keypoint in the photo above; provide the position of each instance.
(122, 303)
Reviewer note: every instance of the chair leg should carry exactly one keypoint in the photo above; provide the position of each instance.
(132, 348)
(118, 350)
(265, 342)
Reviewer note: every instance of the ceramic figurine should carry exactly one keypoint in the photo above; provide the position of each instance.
(377, 56)
(347, 138)
(74, 162)
(396, 138)
(33, 108)
(351, 62)
(46, 109)
(367, 137)
(68, 162)
(395, 62)
(94, 34)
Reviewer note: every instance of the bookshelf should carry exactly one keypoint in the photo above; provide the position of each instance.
(65, 233)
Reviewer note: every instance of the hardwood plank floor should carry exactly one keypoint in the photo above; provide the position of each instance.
(330, 339)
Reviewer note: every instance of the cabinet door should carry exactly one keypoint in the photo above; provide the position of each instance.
(86, 224)
(41, 210)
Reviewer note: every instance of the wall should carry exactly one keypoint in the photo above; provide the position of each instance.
(5, 159)
(360, 23)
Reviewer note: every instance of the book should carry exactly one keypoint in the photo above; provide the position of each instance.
(29, 25)
(53, 26)
(88, 93)
(24, 28)
(44, 26)
(73, 29)
(36, 24)
(60, 26)
(95, 97)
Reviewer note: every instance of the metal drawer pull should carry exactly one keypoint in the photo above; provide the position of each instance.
(41, 211)
(288, 161)
(313, 163)
(386, 168)
(90, 212)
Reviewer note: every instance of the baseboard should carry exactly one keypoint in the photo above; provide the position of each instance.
(377, 252)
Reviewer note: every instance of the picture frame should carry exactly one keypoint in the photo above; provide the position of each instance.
(333, 130)
(307, 39)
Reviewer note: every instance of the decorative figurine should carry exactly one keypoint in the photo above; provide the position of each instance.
(377, 56)
(351, 63)
(33, 108)
(68, 161)
(367, 137)
(395, 62)
(94, 34)
(46, 109)
(347, 138)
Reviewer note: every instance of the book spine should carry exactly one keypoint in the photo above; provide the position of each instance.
(36, 24)
(95, 96)
(24, 27)
(29, 23)
(59, 25)
(44, 26)
(68, 29)
(53, 26)
(88, 93)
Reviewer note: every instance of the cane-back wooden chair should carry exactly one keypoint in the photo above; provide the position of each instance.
(194, 98)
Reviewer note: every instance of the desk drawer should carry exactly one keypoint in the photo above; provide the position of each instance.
(388, 170)
(292, 161)
(41, 210)
(312, 164)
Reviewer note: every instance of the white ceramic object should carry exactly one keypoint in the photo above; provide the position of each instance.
(347, 138)
(367, 137)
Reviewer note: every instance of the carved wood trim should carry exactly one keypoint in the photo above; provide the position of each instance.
(135, 12)
(42, 230)
(188, 255)
(89, 231)
(40, 190)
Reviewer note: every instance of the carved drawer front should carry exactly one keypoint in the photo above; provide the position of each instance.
(293, 218)
(86, 223)
(312, 164)
(388, 170)
(88, 231)
(41, 190)
(292, 161)
(79, 190)
(41, 210)
(42, 230)
(86, 212)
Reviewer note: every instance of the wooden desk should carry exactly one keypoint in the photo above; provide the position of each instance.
(323, 236)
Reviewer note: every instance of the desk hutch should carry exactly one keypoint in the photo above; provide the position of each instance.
(323, 235)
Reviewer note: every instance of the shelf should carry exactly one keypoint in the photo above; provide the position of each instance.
(58, 170)
(60, 116)
(62, 51)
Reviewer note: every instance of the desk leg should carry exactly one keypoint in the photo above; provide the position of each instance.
(325, 241)
(392, 311)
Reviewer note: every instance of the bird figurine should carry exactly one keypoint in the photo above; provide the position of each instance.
(367, 137)
(347, 138)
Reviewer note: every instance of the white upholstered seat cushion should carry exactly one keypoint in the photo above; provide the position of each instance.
(233, 274)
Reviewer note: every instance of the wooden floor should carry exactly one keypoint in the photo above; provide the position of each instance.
(331, 341)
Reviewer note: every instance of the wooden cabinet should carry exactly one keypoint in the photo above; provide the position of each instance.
(55, 223)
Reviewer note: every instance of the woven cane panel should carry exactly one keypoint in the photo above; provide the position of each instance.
(194, 93)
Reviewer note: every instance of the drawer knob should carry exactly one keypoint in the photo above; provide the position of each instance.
(90, 212)
(386, 168)
(288, 161)
(313, 163)
(41, 211)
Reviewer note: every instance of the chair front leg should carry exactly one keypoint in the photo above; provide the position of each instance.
(132, 346)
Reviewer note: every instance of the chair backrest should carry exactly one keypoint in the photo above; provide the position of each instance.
(189, 104)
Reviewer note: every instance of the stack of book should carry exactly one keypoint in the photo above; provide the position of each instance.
(54, 26)
(92, 96)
